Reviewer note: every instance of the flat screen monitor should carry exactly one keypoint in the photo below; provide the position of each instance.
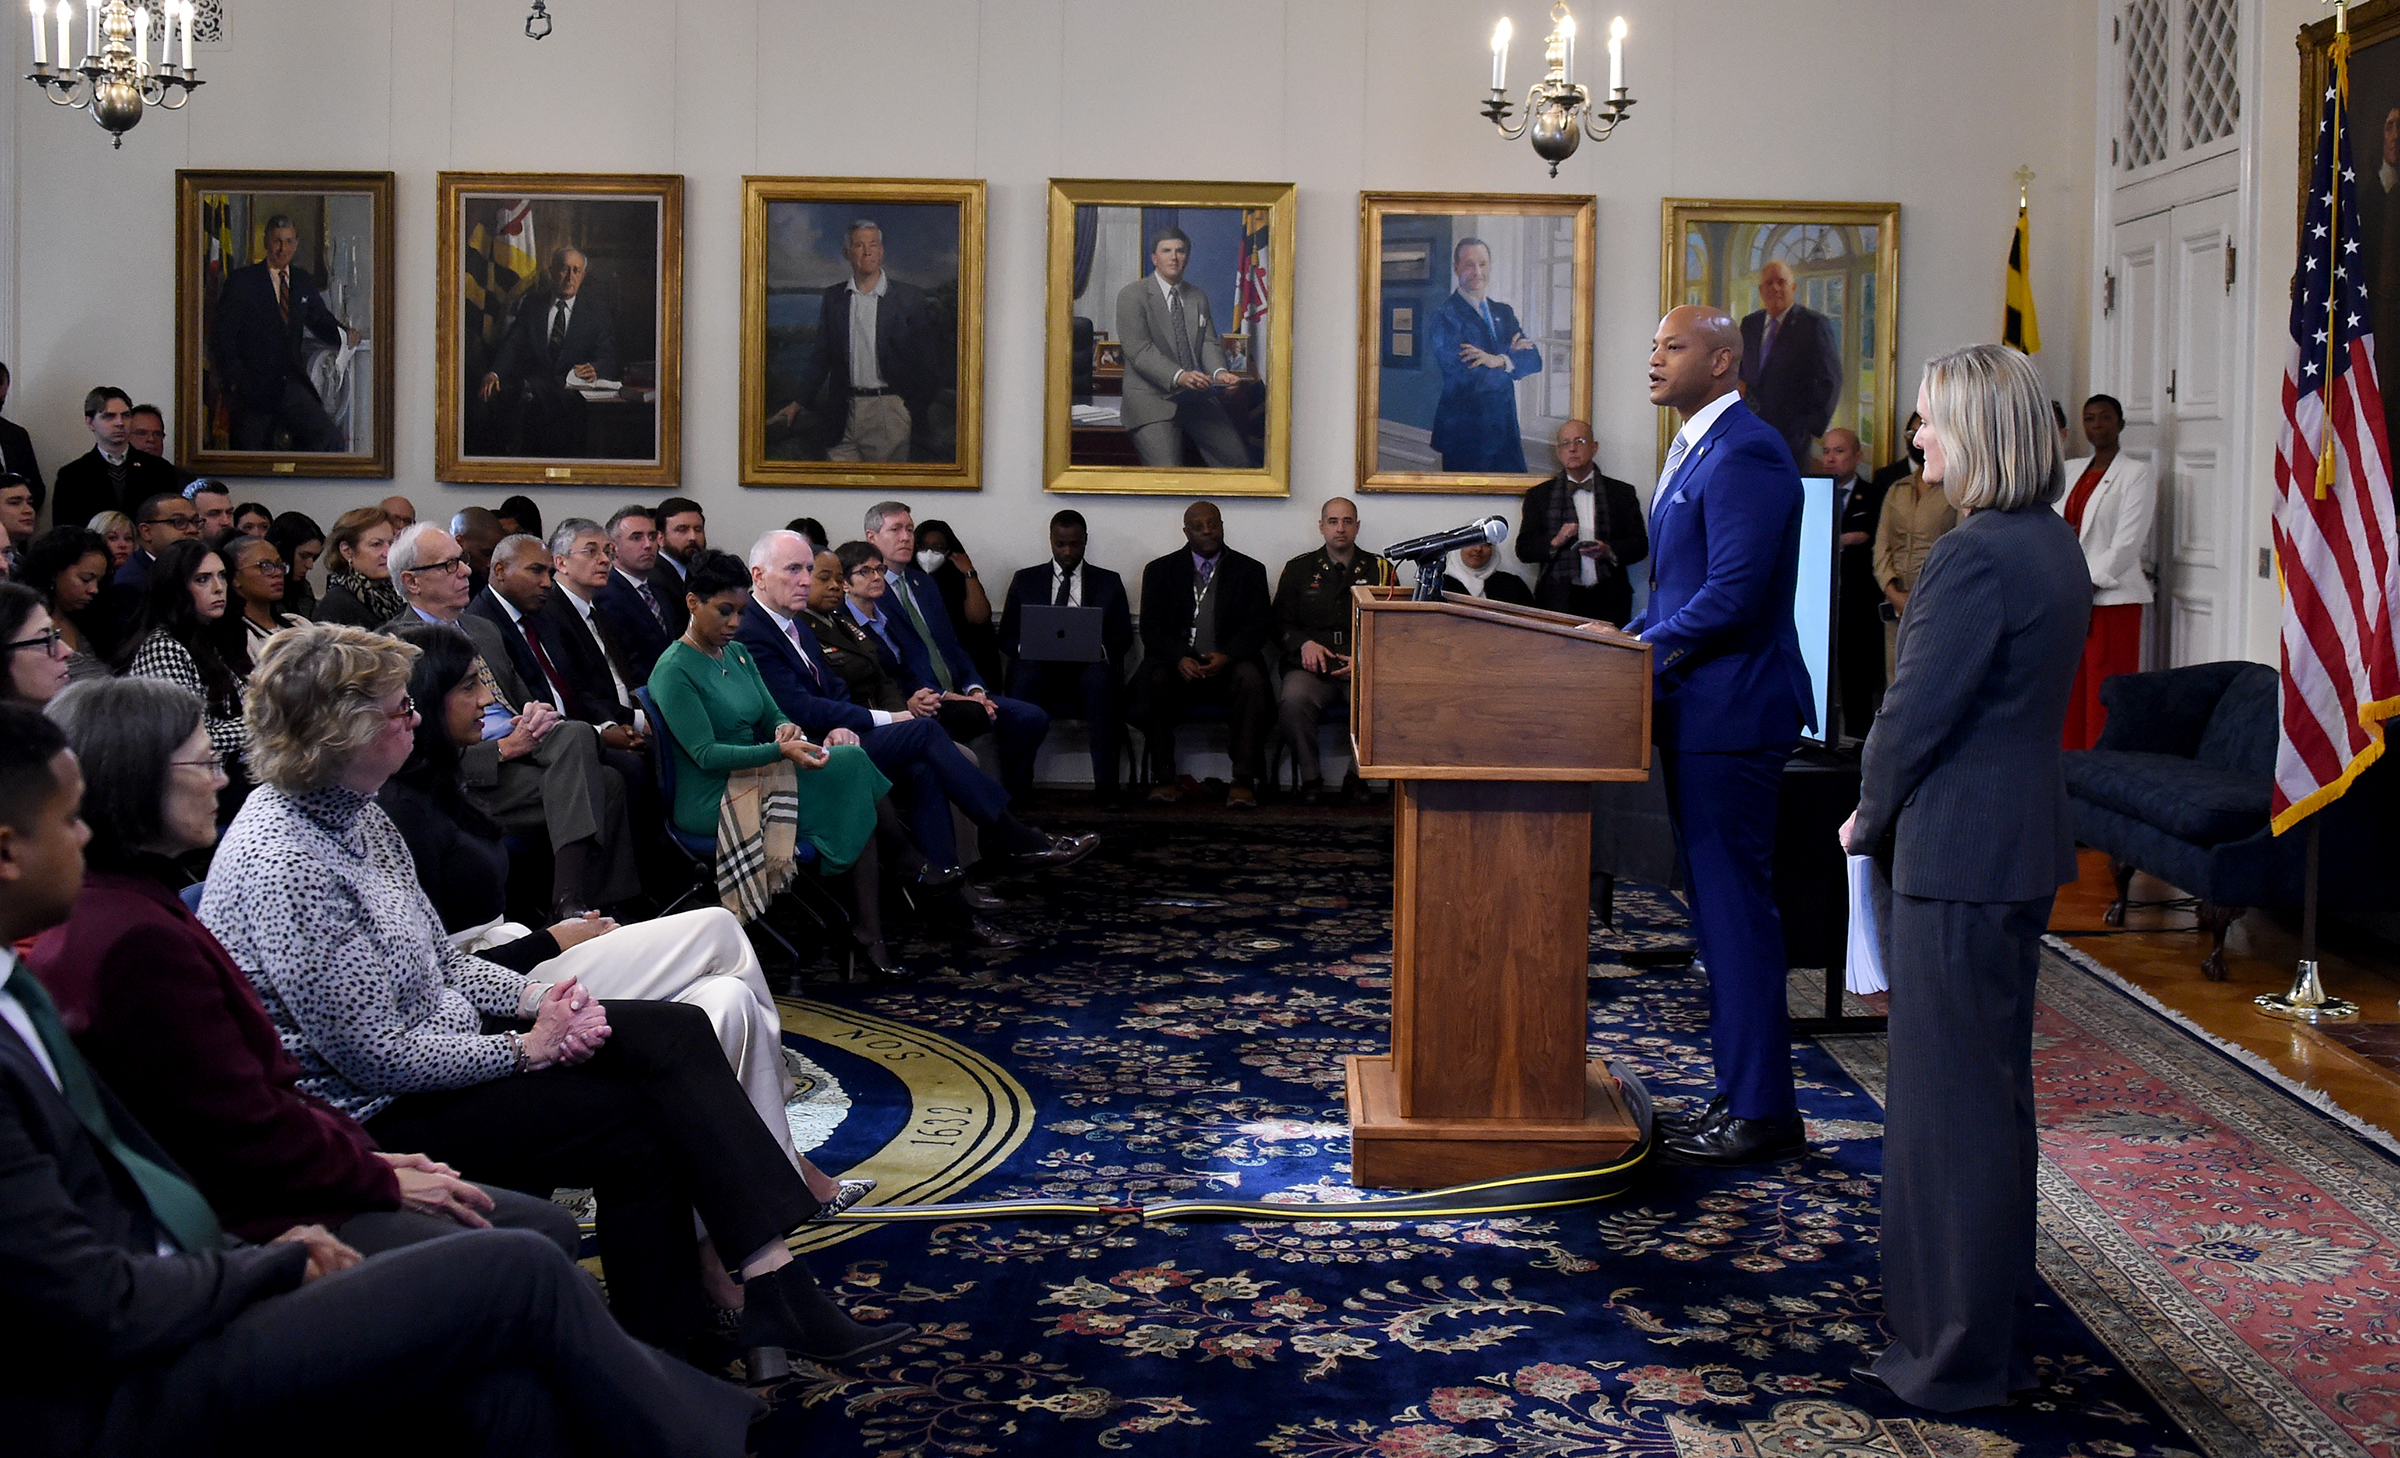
(1812, 599)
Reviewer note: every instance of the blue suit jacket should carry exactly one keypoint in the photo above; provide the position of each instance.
(1724, 561)
(915, 652)
(638, 636)
(1475, 424)
(817, 702)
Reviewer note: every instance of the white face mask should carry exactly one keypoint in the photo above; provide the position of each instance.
(929, 559)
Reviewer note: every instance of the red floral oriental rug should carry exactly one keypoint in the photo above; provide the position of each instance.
(2237, 1250)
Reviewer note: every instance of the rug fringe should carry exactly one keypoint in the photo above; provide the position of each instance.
(2315, 1098)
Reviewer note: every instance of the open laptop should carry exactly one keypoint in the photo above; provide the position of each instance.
(1060, 634)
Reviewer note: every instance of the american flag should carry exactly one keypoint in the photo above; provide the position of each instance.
(2334, 531)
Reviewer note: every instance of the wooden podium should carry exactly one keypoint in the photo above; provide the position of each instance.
(1490, 720)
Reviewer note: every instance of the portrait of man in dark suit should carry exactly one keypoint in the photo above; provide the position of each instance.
(562, 343)
(871, 378)
(1791, 363)
(265, 316)
(1477, 344)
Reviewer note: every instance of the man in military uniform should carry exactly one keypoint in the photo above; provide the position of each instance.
(1312, 606)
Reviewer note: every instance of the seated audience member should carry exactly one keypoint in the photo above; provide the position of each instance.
(589, 658)
(254, 574)
(1584, 531)
(301, 542)
(1475, 573)
(794, 590)
(159, 522)
(640, 616)
(1205, 621)
(67, 565)
(146, 431)
(682, 536)
(477, 531)
(37, 652)
(314, 895)
(359, 590)
(921, 635)
(401, 510)
(1312, 609)
(964, 599)
(112, 475)
(215, 502)
(811, 528)
(534, 770)
(179, 1033)
(723, 720)
(866, 624)
(1096, 690)
(115, 528)
(252, 519)
(176, 639)
(699, 957)
(157, 1335)
(16, 523)
(518, 515)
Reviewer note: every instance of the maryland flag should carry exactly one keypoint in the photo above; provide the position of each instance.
(1250, 286)
(2019, 329)
(219, 257)
(501, 265)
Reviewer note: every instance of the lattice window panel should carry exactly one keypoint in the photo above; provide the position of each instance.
(2212, 98)
(2145, 84)
(208, 22)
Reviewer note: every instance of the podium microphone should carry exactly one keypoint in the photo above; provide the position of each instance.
(1431, 552)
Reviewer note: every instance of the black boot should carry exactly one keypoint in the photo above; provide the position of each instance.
(788, 1311)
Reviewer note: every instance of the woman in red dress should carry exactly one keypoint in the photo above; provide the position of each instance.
(2110, 506)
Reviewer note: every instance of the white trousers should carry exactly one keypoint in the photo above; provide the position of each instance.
(699, 957)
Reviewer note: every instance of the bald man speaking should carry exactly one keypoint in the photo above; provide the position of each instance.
(1730, 696)
(1791, 369)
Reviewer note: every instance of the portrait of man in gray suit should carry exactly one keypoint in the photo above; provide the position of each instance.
(1175, 365)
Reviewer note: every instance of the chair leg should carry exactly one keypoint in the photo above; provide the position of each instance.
(2123, 872)
(2214, 919)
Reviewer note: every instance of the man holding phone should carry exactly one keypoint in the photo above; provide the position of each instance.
(1312, 606)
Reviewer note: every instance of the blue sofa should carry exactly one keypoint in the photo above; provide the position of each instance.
(2179, 785)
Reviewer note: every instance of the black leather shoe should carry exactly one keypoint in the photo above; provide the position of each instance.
(1732, 1142)
(1707, 1116)
(931, 877)
(879, 963)
(981, 933)
(1063, 851)
(978, 899)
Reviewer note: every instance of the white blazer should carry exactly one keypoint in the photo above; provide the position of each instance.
(2116, 528)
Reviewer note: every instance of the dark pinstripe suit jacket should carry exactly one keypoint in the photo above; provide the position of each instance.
(1962, 785)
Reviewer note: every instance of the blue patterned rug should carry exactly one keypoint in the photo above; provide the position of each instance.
(1176, 1030)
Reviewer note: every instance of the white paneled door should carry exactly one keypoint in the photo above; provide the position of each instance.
(2170, 340)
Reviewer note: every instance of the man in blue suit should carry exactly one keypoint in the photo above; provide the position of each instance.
(1731, 694)
(928, 646)
(1476, 344)
(264, 315)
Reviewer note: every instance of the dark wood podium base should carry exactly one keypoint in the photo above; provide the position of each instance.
(1393, 1153)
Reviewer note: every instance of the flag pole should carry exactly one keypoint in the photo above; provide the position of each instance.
(2307, 1002)
(2339, 56)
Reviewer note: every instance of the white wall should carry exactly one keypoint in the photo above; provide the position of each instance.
(1929, 104)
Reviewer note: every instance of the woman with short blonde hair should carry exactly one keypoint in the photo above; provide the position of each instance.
(1963, 804)
(316, 699)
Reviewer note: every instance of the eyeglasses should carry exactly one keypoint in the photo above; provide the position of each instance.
(407, 710)
(46, 641)
(594, 549)
(180, 523)
(278, 568)
(447, 564)
(1576, 440)
(214, 764)
(869, 571)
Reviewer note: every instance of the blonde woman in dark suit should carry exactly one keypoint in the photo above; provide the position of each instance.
(1964, 804)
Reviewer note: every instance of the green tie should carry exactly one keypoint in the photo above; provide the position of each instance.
(178, 1208)
(933, 650)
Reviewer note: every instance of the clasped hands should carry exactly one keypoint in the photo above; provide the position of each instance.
(533, 725)
(1198, 666)
(1195, 380)
(1317, 658)
(568, 1027)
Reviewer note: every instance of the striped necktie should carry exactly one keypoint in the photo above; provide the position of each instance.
(933, 650)
(1658, 497)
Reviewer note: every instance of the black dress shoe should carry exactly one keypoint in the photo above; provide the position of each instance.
(930, 877)
(978, 899)
(981, 933)
(880, 965)
(1707, 1116)
(1732, 1142)
(1063, 851)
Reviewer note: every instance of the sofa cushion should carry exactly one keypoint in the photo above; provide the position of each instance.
(2241, 729)
(2193, 801)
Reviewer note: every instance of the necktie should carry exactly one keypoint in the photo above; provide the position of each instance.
(1774, 326)
(1064, 596)
(933, 650)
(1183, 336)
(558, 325)
(180, 1210)
(558, 689)
(1658, 497)
(283, 293)
(792, 629)
(650, 601)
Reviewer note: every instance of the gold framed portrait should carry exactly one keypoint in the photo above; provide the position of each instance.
(558, 329)
(1829, 355)
(283, 323)
(1170, 338)
(1474, 337)
(908, 411)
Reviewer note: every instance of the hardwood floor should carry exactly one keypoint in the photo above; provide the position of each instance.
(2357, 1064)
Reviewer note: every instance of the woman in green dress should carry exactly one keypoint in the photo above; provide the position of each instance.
(722, 719)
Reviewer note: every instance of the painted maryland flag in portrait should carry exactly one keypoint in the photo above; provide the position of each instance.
(2334, 538)
(501, 264)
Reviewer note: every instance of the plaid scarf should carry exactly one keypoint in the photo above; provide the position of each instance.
(758, 826)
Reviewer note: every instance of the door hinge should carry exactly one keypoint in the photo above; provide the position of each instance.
(2230, 253)
(2108, 293)
(2170, 384)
